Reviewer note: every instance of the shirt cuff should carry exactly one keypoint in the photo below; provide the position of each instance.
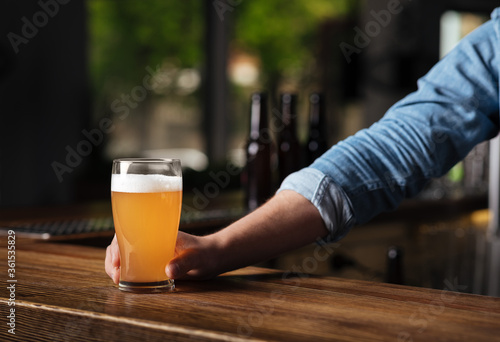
(331, 201)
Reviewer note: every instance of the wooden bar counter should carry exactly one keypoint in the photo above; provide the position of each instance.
(63, 294)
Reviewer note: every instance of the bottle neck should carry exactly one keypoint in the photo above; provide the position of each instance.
(288, 112)
(316, 111)
(258, 115)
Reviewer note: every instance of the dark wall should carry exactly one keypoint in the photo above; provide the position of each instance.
(44, 101)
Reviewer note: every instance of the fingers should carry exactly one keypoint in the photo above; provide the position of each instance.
(193, 258)
(184, 263)
(184, 241)
(187, 257)
(115, 252)
(112, 261)
(177, 268)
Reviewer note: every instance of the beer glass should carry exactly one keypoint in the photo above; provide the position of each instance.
(146, 197)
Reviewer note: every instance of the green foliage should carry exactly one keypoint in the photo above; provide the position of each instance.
(282, 32)
(128, 35)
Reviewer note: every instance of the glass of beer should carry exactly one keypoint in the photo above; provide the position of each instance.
(146, 197)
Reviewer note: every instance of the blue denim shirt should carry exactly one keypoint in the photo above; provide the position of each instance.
(421, 137)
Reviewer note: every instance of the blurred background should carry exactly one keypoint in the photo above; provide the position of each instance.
(85, 81)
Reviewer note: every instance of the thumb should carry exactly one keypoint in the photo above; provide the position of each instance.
(180, 265)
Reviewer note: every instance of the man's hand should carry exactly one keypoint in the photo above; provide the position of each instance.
(194, 259)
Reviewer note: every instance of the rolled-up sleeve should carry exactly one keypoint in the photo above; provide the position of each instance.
(330, 200)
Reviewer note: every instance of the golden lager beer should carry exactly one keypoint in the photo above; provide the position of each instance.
(146, 214)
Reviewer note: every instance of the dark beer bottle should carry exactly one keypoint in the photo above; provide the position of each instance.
(317, 142)
(288, 143)
(395, 272)
(258, 153)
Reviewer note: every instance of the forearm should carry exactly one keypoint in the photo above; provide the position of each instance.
(285, 222)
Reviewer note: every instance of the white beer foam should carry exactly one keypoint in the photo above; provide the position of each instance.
(145, 183)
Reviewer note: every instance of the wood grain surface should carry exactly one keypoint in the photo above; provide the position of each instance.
(63, 294)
